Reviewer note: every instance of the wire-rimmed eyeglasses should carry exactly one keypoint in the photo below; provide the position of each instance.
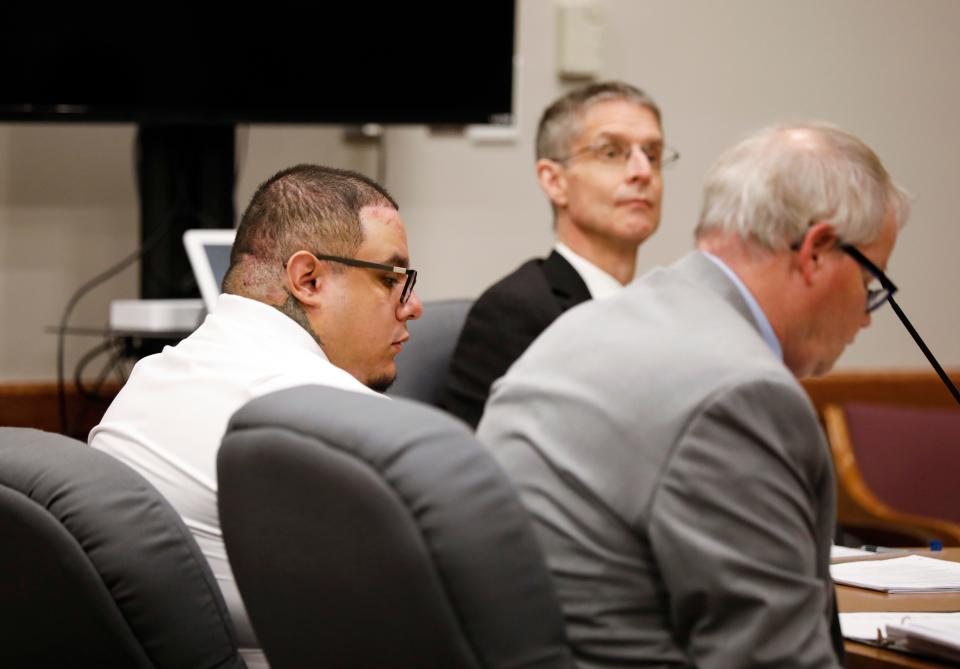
(613, 152)
(411, 274)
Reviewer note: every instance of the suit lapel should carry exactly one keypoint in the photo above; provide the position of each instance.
(564, 281)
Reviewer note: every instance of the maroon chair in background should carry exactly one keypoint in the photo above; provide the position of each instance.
(898, 472)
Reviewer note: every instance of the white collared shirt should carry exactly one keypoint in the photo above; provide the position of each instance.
(169, 418)
(600, 284)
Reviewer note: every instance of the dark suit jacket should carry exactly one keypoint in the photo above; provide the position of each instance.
(501, 325)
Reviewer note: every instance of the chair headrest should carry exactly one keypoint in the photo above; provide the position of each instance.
(467, 515)
(144, 554)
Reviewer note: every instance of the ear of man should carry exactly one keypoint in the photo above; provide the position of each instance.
(811, 256)
(306, 277)
(553, 181)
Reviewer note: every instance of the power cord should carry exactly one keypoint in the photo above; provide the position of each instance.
(107, 274)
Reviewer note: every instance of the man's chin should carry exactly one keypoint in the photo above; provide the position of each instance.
(636, 229)
(381, 383)
(816, 368)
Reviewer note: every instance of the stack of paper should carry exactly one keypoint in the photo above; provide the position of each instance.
(912, 573)
(844, 554)
(939, 637)
(924, 633)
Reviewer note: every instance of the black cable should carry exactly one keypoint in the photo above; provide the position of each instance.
(107, 274)
(923, 348)
(105, 346)
(120, 355)
(90, 396)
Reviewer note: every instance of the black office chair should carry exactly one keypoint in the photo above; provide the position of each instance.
(423, 364)
(97, 569)
(365, 532)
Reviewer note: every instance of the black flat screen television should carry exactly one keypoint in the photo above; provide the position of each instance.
(430, 63)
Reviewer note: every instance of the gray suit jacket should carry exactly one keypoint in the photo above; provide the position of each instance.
(678, 478)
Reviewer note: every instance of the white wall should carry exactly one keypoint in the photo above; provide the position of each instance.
(67, 210)
(881, 68)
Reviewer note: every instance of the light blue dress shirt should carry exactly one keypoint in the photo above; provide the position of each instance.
(766, 330)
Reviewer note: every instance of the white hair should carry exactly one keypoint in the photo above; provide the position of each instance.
(772, 186)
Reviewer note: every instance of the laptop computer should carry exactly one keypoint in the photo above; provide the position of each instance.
(209, 254)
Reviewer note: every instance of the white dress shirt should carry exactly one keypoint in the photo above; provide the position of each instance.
(169, 418)
(600, 284)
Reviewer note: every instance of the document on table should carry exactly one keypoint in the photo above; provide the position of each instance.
(844, 554)
(918, 632)
(911, 573)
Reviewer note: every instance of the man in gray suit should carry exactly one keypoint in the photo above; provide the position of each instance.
(678, 478)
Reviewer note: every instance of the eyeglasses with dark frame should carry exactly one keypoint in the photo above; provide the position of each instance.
(411, 274)
(615, 152)
(877, 297)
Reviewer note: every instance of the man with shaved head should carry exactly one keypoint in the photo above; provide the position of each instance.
(319, 290)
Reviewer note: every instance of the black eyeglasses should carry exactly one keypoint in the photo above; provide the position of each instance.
(411, 274)
(876, 297)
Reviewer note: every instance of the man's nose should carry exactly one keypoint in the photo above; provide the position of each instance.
(639, 165)
(411, 309)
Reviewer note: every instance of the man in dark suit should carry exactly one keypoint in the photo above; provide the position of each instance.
(600, 151)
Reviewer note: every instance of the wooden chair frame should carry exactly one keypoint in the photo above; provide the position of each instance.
(859, 507)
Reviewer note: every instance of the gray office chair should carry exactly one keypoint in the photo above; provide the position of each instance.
(422, 365)
(365, 532)
(97, 569)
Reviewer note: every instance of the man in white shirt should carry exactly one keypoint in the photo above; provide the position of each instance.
(600, 152)
(319, 290)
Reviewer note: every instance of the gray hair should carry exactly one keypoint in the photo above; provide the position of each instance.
(773, 185)
(305, 207)
(561, 122)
